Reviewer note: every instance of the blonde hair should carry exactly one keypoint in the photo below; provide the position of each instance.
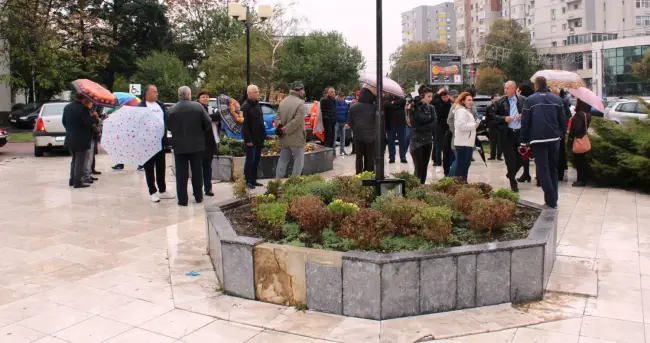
(460, 101)
(252, 88)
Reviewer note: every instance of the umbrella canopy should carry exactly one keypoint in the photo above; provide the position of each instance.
(132, 135)
(560, 78)
(389, 86)
(126, 99)
(97, 94)
(586, 95)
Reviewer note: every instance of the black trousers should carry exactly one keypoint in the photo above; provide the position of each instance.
(562, 164)
(252, 162)
(77, 167)
(546, 163)
(95, 152)
(495, 149)
(447, 153)
(580, 162)
(510, 141)
(365, 157)
(154, 172)
(183, 164)
(207, 173)
(421, 157)
(329, 127)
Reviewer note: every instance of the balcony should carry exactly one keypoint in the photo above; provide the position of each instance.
(569, 2)
(574, 13)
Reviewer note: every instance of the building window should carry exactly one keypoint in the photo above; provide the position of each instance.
(563, 10)
(564, 42)
(563, 27)
(553, 14)
(554, 44)
(553, 28)
(642, 3)
(643, 21)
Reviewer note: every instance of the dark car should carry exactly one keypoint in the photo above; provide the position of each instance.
(4, 137)
(481, 102)
(25, 117)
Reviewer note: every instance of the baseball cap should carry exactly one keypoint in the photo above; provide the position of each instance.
(297, 86)
(453, 92)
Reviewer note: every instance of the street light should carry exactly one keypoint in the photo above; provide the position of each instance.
(242, 13)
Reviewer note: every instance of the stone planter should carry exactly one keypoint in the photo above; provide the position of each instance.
(383, 286)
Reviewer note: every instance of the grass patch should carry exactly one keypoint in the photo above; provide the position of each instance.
(21, 137)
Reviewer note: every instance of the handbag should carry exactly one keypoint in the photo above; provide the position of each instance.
(582, 145)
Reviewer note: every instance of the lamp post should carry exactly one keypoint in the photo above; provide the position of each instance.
(243, 13)
(379, 126)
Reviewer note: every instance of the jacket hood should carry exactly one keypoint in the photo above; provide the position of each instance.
(366, 96)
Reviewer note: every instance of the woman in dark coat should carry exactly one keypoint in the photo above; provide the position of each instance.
(210, 144)
(579, 125)
(423, 122)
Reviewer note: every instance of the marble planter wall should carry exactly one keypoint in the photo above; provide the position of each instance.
(382, 286)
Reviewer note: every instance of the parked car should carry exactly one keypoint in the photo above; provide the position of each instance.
(49, 133)
(625, 110)
(310, 116)
(4, 137)
(25, 117)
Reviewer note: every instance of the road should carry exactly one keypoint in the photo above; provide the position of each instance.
(13, 150)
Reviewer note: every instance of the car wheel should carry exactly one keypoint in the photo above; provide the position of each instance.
(38, 152)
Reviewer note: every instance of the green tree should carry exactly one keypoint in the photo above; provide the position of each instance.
(164, 70)
(319, 60)
(508, 48)
(641, 69)
(411, 62)
(490, 81)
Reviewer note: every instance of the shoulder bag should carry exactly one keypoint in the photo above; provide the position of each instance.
(582, 145)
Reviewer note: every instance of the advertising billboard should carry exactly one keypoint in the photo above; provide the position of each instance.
(445, 70)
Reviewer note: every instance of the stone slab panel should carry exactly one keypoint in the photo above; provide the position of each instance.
(280, 274)
(549, 253)
(466, 282)
(361, 289)
(324, 288)
(238, 269)
(214, 249)
(527, 274)
(492, 278)
(400, 289)
(438, 280)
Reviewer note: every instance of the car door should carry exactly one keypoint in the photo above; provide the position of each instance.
(52, 115)
(639, 111)
(624, 111)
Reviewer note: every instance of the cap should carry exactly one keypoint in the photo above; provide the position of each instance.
(297, 86)
(453, 92)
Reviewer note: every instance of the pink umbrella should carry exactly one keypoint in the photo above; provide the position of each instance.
(586, 95)
(389, 86)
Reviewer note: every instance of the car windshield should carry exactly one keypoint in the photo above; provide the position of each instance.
(268, 109)
(56, 109)
(212, 103)
(32, 106)
(611, 104)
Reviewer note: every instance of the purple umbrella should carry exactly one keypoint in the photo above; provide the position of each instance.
(389, 86)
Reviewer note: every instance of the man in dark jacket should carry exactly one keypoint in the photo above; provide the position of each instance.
(342, 109)
(154, 169)
(543, 124)
(362, 123)
(253, 133)
(328, 111)
(396, 127)
(188, 122)
(211, 139)
(493, 131)
(442, 104)
(78, 122)
(508, 121)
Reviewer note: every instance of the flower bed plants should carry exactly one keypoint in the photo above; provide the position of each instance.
(341, 214)
(235, 147)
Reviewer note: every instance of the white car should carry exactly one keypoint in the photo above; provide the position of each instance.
(625, 110)
(49, 133)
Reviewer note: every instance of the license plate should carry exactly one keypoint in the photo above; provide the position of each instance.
(12, 120)
(59, 138)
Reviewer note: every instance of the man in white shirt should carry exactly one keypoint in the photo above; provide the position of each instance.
(154, 169)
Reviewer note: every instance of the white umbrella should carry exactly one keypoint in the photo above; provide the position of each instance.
(132, 135)
(389, 86)
(560, 78)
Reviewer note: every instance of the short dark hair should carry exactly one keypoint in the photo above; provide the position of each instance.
(541, 83)
(443, 93)
(203, 93)
(421, 89)
(341, 94)
(426, 90)
(146, 88)
(471, 91)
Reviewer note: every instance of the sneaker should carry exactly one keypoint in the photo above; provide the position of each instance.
(257, 184)
(391, 161)
(209, 193)
(83, 185)
(404, 161)
(438, 169)
(155, 197)
(166, 195)
(88, 181)
(118, 167)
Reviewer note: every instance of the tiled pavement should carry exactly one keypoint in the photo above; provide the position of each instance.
(105, 265)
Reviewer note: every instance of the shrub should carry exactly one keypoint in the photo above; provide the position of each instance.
(291, 232)
(504, 193)
(273, 187)
(410, 181)
(432, 197)
(311, 214)
(332, 241)
(240, 189)
(433, 223)
(272, 217)
(464, 198)
(483, 187)
(262, 199)
(399, 210)
(401, 243)
(447, 185)
(490, 214)
(351, 189)
(339, 210)
(367, 228)
(224, 150)
(322, 189)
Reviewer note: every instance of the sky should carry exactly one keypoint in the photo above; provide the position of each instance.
(356, 20)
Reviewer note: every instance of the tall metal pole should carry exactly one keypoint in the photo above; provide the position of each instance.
(379, 120)
(248, 47)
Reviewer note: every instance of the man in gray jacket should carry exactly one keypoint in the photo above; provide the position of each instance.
(291, 132)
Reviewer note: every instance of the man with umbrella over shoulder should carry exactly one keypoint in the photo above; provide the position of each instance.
(78, 122)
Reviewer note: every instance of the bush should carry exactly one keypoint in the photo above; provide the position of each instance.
(464, 198)
(311, 214)
(490, 214)
(504, 193)
(433, 223)
(291, 232)
(339, 210)
(351, 189)
(399, 211)
(273, 187)
(332, 241)
(262, 199)
(367, 228)
(483, 187)
(432, 197)
(447, 185)
(240, 189)
(272, 217)
(322, 189)
(410, 181)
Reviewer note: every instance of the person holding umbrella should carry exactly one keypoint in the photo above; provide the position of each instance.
(125, 99)
(578, 126)
(211, 141)
(78, 121)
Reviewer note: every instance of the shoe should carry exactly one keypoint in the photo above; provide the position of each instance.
(250, 186)
(184, 204)
(500, 158)
(166, 195)
(93, 178)
(199, 200)
(492, 158)
(525, 178)
(391, 161)
(257, 184)
(70, 183)
(155, 197)
(83, 185)
(438, 169)
(88, 181)
(94, 172)
(343, 153)
(514, 186)
(404, 161)
(209, 193)
(579, 184)
(117, 167)
(140, 168)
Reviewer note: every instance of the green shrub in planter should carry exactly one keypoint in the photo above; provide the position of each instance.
(505, 193)
(272, 217)
(433, 223)
(411, 181)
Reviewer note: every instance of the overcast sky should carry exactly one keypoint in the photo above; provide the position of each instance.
(355, 19)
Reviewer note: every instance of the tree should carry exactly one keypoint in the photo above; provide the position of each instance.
(411, 62)
(319, 60)
(514, 54)
(490, 81)
(641, 69)
(164, 70)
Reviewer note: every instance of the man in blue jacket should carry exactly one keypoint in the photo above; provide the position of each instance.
(342, 109)
(543, 124)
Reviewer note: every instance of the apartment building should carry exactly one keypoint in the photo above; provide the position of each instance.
(430, 23)
(473, 20)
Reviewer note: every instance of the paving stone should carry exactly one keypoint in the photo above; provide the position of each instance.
(526, 277)
(324, 288)
(466, 281)
(400, 289)
(438, 284)
(492, 278)
(361, 289)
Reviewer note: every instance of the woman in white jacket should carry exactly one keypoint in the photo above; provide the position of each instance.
(465, 124)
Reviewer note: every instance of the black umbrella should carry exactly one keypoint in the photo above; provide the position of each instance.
(481, 151)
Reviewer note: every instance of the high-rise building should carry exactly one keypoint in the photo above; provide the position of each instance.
(430, 23)
(473, 20)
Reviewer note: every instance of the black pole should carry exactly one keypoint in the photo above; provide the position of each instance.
(379, 120)
(248, 47)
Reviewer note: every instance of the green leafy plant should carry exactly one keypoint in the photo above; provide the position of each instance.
(399, 211)
(464, 198)
(332, 241)
(367, 228)
(291, 232)
(273, 187)
(322, 189)
(483, 187)
(504, 193)
(262, 199)
(447, 185)
(411, 181)
(312, 215)
(240, 189)
(340, 209)
(433, 223)
(272, 217)
(490, 214)
(351, 189)
(431, 196)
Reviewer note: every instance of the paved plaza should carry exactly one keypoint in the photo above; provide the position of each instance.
(104, 264)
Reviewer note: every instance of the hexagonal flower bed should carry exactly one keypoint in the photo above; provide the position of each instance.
(335, 247)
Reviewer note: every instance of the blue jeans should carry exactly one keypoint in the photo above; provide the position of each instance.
(252, 162)
(408, 132)
(340, 133)
(546, 163)
(399, 133)
(463, 161)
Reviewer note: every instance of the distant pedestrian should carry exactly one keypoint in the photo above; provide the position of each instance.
(342, 109)
(328, 112)
(362, 123)
(493, 130)
(211, 140)
(579, 124)
(543, 124)
(155, 167)
(396, 127)
(423, 123)
(89, 163)
(356, 98)
(442, 103)
(292, 137)
(465, 124)
(189, 124)
(78, 121)
(253, 133)
(448, 144)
